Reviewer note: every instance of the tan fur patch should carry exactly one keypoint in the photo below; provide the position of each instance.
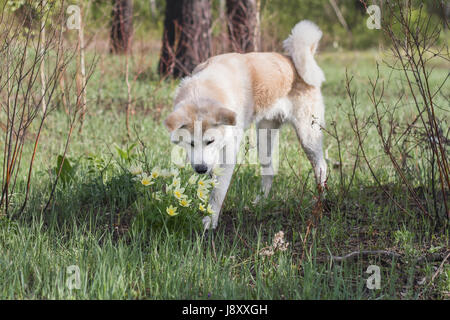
(181, 117)
(303, 90)
(174, 121)
(187, 115)
(190, 125)
(214, 91)
(226, 117)
(272, 77)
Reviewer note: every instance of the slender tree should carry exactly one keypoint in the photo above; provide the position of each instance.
(153, 8)
(243, 25)
(121, 26)
(186, 37)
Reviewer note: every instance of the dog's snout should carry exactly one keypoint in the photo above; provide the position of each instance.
(201, 168)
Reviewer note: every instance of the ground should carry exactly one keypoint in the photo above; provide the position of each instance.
(126, 247)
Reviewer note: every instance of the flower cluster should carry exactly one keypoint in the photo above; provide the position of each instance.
(170, 187)
(278, 244)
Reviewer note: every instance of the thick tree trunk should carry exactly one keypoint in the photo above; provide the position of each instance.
(194, 46)
(122, 26)
(172, 22)
(243, 25)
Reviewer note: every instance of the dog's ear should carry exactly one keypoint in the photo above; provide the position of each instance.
(175, 120)
(226, 117)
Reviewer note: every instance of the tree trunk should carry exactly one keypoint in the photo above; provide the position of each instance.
(82, 74)
(223, 26)
(122, 26)
(172, 22)
(186, 37)
(153, 8)
(243, 25)
(194, 46)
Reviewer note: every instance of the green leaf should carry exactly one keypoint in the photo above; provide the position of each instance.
(67, 170)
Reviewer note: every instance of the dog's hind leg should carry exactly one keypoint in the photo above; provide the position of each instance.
(267, 136)
(308, 128)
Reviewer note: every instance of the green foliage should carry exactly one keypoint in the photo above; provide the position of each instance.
(14, 5)
(144, 21)
(96, 164)
(419, 17)
(127, 154)
(405, 239)
(281, 16)
(65, 169)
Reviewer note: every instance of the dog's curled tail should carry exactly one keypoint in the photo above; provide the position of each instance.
(301, 45)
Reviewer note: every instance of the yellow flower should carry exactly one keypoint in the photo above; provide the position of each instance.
(202, 194)
(146, 180)
(184, 202)
(209, 209)
(171, 211)
(201, 207)
(155, 173)
(178, 193)
(205, 184)
(192, 179)
(135, 170)
(175, 183)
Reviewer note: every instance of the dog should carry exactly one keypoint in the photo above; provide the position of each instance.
(227, 93)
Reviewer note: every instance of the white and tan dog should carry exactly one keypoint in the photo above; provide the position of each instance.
(225, 94)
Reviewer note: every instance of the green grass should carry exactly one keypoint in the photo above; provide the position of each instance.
(126, 246)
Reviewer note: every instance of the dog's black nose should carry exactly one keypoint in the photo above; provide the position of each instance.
(200, 168)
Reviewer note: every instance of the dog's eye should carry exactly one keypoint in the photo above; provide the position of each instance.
(209, 142)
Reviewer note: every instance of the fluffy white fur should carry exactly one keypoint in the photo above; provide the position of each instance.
(301, 45)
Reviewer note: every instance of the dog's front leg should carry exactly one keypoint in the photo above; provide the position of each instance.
(228, 159)
(218, 196)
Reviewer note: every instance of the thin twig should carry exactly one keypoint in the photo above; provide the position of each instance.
(356, 254)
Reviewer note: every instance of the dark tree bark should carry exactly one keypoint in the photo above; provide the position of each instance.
(122, 26)
(172, 22)
(186, 37)
(195, 39)
(243, 25)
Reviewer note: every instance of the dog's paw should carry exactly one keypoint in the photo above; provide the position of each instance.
(206, 223)
(260, 199)
(209, 223)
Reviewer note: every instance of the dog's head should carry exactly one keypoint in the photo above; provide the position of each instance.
(201, 129)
